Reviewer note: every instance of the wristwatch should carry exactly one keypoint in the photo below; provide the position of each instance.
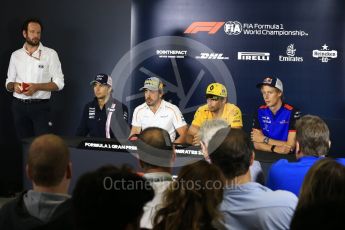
(266, 140)
(272, 148)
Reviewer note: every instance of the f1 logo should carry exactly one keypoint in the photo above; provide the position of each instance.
(210, 27)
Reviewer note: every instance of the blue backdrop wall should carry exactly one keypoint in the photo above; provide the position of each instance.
(192, 43)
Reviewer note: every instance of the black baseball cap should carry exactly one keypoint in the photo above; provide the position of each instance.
(102, 78)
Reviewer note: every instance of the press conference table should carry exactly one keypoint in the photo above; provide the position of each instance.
(89, 154)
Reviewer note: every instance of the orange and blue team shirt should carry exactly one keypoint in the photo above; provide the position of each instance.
(231, 114)
(279, 125)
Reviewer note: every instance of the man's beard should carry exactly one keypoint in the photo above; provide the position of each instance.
(35, 42)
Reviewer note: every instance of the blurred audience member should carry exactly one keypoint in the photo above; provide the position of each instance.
(322, 199)
(312, 143)
(246, 204)
(110, 198)
(49, 169)
(192, 201)
(206, 133)
(156, 157)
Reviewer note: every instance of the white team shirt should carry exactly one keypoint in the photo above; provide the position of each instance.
(167, 117)
(43, 66)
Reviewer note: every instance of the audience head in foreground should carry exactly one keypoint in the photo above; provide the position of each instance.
(49, 169)
(322, 199)
(192, 201)
(48, 164)
(155, 149)
(156, 155)
(312, 142)
(207, 131)
(110, 198)
(246, 204)
(324, 182)
(312, 137)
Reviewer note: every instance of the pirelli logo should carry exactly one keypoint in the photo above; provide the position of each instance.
(210, 27)
(253, 56)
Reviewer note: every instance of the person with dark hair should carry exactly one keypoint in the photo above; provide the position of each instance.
(103, 115)
(324, 181)
(156, 156)
(274, 123)
(217, 107)
(192, 201)
(34, 71)
(246, 204)
(321, 203)
(156, 112)
(110, 198)
(49, 169)
(312, 143)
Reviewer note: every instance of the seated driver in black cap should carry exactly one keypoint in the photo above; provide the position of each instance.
(103, 115)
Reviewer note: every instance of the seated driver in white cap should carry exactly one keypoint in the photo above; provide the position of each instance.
(156, 112)
(217, 107)
(274, 123)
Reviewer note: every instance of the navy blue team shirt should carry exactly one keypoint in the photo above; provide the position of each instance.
(93, 120)
(279, 125)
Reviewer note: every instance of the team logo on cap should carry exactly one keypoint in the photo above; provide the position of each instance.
(267, 80)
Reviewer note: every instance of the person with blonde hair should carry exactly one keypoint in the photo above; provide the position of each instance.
(192, 201)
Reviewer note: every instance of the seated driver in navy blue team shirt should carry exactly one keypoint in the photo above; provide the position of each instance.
(274, 123)
(103, 115)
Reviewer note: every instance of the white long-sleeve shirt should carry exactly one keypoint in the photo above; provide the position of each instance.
(43, 66)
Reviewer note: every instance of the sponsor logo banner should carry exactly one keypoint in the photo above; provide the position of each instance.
(325, 55)
(213, 56)
(290, 55)
(253, 56)
(171, 53)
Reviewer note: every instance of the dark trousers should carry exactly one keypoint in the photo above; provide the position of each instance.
(31, 118)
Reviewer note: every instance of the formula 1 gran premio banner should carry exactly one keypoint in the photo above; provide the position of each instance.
(191, 43)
